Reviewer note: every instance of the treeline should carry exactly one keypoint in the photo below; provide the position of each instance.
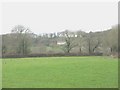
(22, 42)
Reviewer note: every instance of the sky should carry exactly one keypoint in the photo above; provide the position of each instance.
(48, 17)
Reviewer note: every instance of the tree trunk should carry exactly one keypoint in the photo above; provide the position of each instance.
(80, 50)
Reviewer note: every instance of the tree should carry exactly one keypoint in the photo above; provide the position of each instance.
(69, 42)
(80, 40)
(4, 47)
(88, 39)
(98, 43)
(23, 34)
(92, 41)
(110, 40)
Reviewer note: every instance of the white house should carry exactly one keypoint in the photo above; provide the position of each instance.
(60, 43)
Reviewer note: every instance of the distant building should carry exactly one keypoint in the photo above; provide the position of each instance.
(60, 43)
(76, 35)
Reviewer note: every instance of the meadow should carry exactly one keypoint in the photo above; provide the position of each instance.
(60, 72)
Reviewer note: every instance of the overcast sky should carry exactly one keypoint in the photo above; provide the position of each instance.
(46, 17)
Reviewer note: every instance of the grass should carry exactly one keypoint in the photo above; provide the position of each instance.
(60, 72)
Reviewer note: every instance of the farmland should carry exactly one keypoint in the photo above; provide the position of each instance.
(60, 72)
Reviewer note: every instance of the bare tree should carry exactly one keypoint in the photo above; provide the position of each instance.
(80, 40)
(22, 35)
(69, 42)
(96, 45)
(88, 41)
(4, 45)
(110, 40)
(93, 42)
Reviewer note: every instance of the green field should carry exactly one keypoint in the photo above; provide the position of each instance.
(60, 72)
